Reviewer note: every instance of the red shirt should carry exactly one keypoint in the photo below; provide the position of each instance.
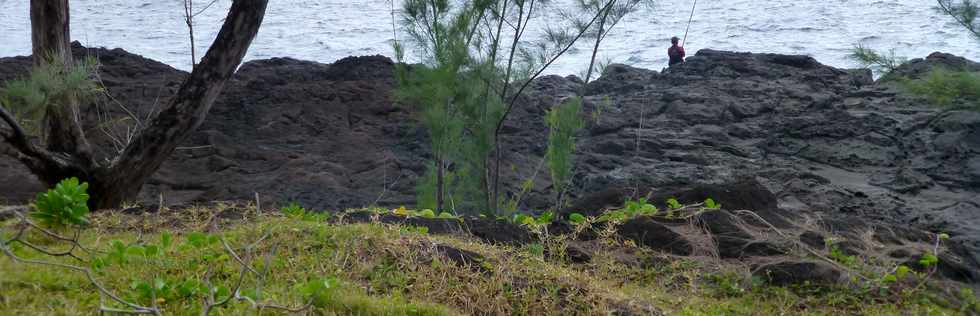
(676, 54)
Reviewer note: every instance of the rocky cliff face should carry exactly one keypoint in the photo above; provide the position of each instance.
(782, 135)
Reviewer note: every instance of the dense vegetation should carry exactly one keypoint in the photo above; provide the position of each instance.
(235, 259)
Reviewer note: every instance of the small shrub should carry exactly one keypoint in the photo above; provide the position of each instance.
(66, 204)
(535, 249)
(630, 210)
(293, 210)
(48, 88)
(928, 260)
(838, 255)
(532, 221)
(943, 86)
(725, 284)
(563, 122)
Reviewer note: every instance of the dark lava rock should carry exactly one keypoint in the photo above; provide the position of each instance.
(950, 267)
(918, 67)
(762, 249)
(730, 247)
(819, 142)
(578, 253)
(813, 240)
(851, 247)
(498, 232)
(720, 223)
(462, 258)
(900, 253)
(798, 273)
(644, 231)
(433, 225)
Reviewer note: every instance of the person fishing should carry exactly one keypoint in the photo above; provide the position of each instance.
(675, 52)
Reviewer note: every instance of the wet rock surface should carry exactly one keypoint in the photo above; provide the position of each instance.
(802, 145)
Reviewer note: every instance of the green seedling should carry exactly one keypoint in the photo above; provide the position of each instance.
(576, 218)
(711, 205)
(66, 204)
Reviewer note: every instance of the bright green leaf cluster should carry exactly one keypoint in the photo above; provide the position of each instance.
(532, 221)
(630, 209)
(711, 204)
(424, 213)
(66, 204)
(576, 218)
(928, 260)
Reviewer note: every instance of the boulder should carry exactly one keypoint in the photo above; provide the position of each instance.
(786, 273)
(497, 231)
(644, 231)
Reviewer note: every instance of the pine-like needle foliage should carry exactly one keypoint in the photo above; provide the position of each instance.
(563, 122)
(49, 87)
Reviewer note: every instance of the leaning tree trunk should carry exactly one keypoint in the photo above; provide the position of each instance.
(185, 112)
(67, 153)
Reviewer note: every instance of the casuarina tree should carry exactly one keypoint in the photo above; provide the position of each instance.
(61, 150)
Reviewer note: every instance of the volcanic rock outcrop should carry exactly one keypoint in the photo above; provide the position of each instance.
(797, 142)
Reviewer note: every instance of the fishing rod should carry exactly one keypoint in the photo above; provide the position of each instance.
(689, 22)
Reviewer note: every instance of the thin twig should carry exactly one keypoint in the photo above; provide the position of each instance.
(237, 258)
(88, 274)
(800, 244)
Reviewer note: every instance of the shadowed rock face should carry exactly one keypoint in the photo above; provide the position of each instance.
(823, 143)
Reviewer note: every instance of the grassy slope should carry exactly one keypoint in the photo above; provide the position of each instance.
(389, 270)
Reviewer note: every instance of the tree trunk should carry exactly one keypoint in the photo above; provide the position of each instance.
(50, 34)
(67, 154)
(186, 111)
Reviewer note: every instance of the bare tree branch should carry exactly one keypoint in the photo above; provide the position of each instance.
(17, 138)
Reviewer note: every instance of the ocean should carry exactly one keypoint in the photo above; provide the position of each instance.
(327, 30)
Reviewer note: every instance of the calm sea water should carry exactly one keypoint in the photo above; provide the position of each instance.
(326, 30)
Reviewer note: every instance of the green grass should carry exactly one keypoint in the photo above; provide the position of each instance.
(387, 270)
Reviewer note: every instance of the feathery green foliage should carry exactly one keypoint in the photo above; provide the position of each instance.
(448, 91)
(563, 122)
(49, 87)
(476, 62)
(944, 87)
(880, 63)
